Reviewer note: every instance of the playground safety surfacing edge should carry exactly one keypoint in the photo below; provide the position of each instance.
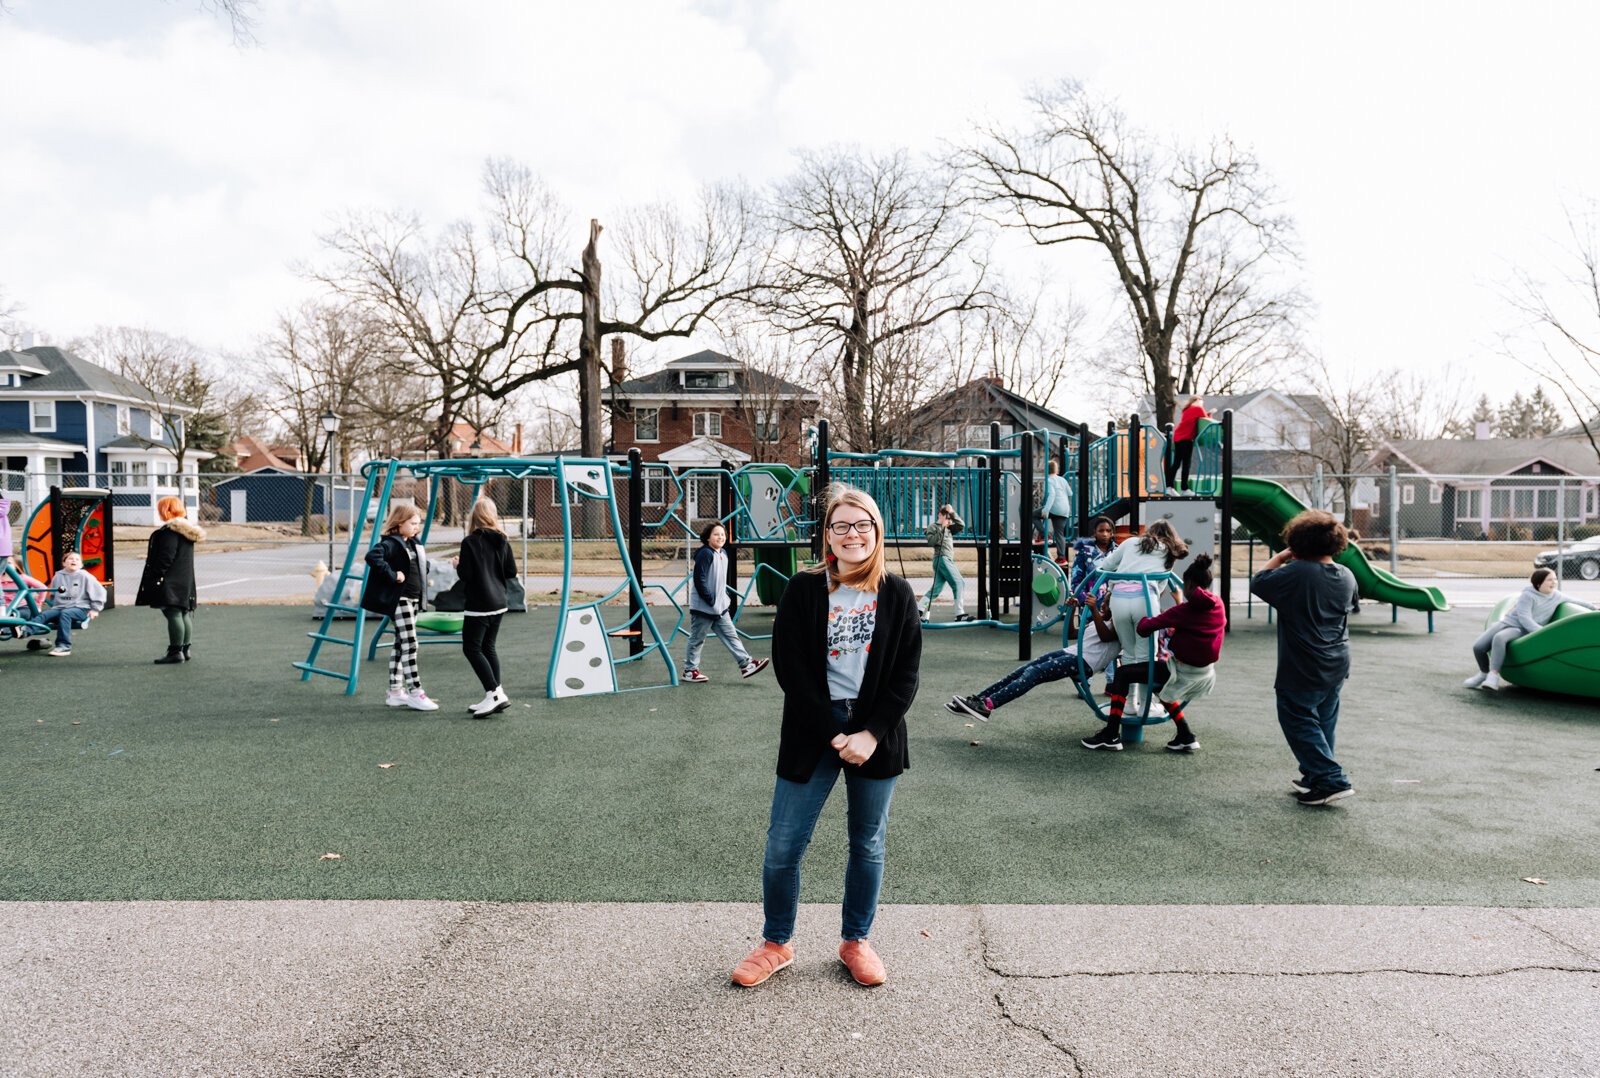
(228, 778)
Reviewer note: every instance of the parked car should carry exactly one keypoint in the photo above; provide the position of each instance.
(1580, 559)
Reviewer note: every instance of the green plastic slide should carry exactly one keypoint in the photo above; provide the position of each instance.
(1563, 657)
(1264, 507)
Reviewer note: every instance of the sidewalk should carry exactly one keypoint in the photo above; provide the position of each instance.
(385, 988)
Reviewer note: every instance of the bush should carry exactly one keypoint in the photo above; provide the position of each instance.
(1584, 531)
(1546, 532)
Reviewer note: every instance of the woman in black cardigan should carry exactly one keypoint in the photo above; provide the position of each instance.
(168, 579)
(846, 645)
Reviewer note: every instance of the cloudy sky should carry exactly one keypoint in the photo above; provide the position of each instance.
(154, 173)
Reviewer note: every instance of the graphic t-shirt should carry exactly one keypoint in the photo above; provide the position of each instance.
(852, 615)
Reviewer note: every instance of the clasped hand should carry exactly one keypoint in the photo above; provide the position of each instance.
(855, 748)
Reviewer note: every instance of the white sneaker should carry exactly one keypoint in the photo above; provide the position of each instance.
(1475, 680)
(397, 698)
(488, 698)
(418, 701)
(1492, 682)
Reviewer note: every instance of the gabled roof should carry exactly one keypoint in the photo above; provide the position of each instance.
(70, 375)
(1491, 456)
(703, 450)
(1217, 403)
(462, 435)
(982, 394)
(253, 456)
(664, 383)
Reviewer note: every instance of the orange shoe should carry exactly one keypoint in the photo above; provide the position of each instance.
(863, 962)
(762, 963)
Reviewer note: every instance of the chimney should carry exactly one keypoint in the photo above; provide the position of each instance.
(27, 340)
(619, 364)
(516, 441)
(1481, 431)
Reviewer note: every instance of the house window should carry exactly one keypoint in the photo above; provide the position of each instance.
(119, 473)
(1435, 494)
(42, 419)
(647, 424)
(656, 488)
(708, 424)
(53, 468)
(139, 474)
(157, 427)
(124, 426)
(1408, 494)
(1469, 505)
(705, 379)
(766, 425)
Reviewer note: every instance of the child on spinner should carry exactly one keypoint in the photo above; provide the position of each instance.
(1099, 648)
(1155, 552)
(708, 608)
(75, 599)
(1535, 607)
(945, 524)
(1197, 625)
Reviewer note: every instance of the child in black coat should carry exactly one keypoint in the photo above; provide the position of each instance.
(485, 564)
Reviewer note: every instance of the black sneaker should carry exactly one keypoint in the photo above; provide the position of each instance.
(1108, 738)
(1299, 784)
(1184, 743)
(37, 645)
(965, 617)
(969, 705)
(1324, 795)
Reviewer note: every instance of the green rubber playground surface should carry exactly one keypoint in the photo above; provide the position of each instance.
(229, 778)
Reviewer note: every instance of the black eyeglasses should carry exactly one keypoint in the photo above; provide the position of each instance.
(862, 526)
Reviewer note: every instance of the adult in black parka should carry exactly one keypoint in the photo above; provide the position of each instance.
(168, 580)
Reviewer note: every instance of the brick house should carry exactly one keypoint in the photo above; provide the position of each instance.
(704, 410)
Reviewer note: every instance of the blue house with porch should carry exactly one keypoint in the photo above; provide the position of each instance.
(67, 422)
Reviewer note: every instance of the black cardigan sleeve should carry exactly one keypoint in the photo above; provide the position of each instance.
(378, 559)
(508, 564)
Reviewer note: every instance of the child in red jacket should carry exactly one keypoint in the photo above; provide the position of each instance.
(1197, 626)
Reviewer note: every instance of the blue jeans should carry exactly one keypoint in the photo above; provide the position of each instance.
(722, 625)
(64, 620)
(1308, 718)
(795, 808)
(1051, 666)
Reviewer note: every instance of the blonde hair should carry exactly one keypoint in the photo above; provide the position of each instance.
(485, 514)
(398, 515)
(170, 508)
(869, 575)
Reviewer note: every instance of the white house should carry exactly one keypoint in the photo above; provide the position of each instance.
(66, 422)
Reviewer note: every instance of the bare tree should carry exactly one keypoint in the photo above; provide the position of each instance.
(1559, 341)
(871, 251)
(1420, 404)
(771, 366)
(187, 400)
(1081, 173)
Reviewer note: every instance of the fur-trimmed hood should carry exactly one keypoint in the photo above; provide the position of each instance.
(192, 532)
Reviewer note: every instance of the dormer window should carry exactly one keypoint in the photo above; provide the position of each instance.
(42, 418)
(705, 380)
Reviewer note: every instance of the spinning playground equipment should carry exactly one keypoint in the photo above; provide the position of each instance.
(72, 520)
(1132, 724)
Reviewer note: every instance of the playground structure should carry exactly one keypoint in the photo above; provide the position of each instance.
(74, 520)
(774, 509)
(1562, 656)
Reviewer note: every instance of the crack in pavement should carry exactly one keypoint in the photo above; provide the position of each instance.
(1000, 1003)
(1375, 971)
(1543, 931)
(367, 1027)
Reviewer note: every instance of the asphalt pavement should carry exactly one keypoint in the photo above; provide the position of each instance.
(437, 988)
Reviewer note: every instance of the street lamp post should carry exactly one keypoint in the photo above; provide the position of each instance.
(330, 423)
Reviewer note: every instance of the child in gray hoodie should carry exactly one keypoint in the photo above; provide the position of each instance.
(75, 598)
(1535, 607)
